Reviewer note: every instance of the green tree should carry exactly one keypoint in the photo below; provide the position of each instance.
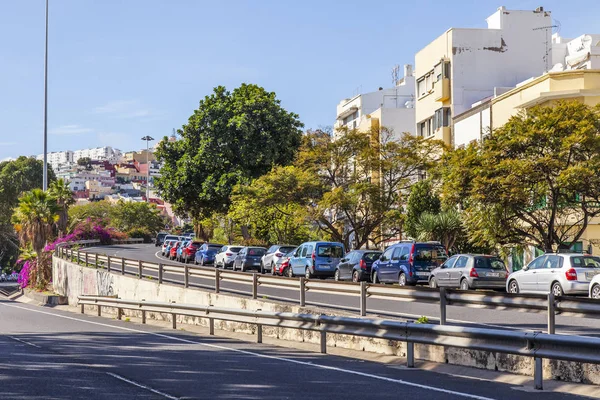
(34, 219)
(232, 137)
(422, 199)
(537, 178)
(444, 226)
(60, 191)
(85, 162)
(127, 216)
(99, 211)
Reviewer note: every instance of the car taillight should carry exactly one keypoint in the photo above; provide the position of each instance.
(473, 273)
(278, 254)
(410, 257)
(228, 254)
(314, 258)
(571, 274)
(363, 264)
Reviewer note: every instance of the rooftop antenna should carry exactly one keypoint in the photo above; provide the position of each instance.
(555, 28)
(395, 74)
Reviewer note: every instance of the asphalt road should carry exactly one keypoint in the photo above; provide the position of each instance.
(51, 354)
(508, 319)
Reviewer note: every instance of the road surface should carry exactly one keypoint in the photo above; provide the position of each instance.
(509, 319)
(51, 354)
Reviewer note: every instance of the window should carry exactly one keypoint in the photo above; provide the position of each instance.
(309, 250)
(425, 128)
(330, 250)
(585, 262)
(461, 262)
(404, 253)
(441, 118)
(489, 263)
(257, 251)
(430, 253)
(396, 255)
(537, 263)
(450, 262)
(303, 254)
(387, 255)
(421, 87)
(371, 256)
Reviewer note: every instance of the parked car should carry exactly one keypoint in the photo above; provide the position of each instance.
(179, 253)
(160, 238)
(595, 287)
(172, 237)
(282, 264)
(206, 253)
(408, 262)
(468, 271)
(248, 258)
(166, 247)
(274, 253)
(188, 253)
(566, 273)
(316, 259)
(226, 256)
(356, 265)
(173, 250)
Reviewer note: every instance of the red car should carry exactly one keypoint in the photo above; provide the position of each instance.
(189, 252)
(173, 252)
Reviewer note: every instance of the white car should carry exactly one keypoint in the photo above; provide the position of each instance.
(274, 254)
(595, 287)
(559, 273)
(224, 258)
(165, 244)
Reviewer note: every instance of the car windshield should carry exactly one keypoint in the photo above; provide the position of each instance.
(330, 250)
(212, 251)
(162, 235)
(214, 246)
(234, 249)
(371, 256)
(286, 250)
(430, 253)
(489, 263)
(256, 252)
(585, 262)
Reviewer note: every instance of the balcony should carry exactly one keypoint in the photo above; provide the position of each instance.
(441, 90)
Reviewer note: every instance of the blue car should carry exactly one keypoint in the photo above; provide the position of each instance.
(206, 253)
(316, 259)
(408, 263)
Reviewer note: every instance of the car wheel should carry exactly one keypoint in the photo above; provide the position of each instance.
(374, 277)
(464, 285)
(355, 276)
(433, 283)
(307, 273)
(513, 287)
(242, 268)
(557, 290)
(262, 268)
(336, 275)
(289, 272)
(596, 292)
(402, 279)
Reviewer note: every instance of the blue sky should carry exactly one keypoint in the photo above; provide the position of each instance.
(121, 69)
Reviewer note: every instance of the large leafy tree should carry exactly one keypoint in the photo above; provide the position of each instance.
(127, 216)
(537, 178)
(232, 137)
(60, 191)
(422, 199)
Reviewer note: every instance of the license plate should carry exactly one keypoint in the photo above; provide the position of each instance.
(422, 273)
(493, 274)
(324, 266)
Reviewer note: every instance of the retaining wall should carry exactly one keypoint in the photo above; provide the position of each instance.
(71, 280)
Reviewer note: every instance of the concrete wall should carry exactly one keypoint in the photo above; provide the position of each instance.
(72, 280)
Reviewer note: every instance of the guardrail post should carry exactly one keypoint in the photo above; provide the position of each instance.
(140, 269)
(83, 308)
(143, 316)
(186, 276)
(108, 263)
(443, 302)
(119, 313)
(160, 273)
(302, 291)
(538, 374)
(217, 280)
(99, 310)
(211, 326)
(551, 313)
(78, 257)
(122, 266)
(323, 342)
(410, 353)
(174, 318)
(254, 285)
(259, 333)
(96, 260)
(86, 258)
(363, 298)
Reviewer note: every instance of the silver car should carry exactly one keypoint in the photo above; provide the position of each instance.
(274, 254)
(224, 258)
(468, 271)
(565, 273)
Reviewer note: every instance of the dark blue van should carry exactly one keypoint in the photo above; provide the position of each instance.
(408, 262)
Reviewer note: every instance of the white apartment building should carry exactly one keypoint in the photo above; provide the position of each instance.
(58, 158)
(105, 153)
(392, 108)
(463, 66)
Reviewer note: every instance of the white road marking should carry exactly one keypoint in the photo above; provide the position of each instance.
(289, 360)
(165, 395)
(24, 342)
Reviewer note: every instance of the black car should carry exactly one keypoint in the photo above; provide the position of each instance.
(356, 265)
(249, 258)
(160, 238)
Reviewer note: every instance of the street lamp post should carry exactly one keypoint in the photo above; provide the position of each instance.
(45, 173)
(147, 138)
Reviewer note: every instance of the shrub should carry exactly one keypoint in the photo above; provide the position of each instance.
(140, 233)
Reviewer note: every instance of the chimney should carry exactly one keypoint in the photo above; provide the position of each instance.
(408, 70)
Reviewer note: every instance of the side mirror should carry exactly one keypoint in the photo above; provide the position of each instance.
(380, 258)
(525, 268)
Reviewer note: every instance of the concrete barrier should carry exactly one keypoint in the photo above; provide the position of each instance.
(72, 280)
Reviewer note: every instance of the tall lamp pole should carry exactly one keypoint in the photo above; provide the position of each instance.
(45, 174)
(147, 138)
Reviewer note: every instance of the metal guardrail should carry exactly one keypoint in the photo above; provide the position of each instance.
(565, 305)
(530, 344)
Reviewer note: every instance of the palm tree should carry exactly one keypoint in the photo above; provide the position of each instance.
(60, 191)
(445, 226)
(34, 218)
